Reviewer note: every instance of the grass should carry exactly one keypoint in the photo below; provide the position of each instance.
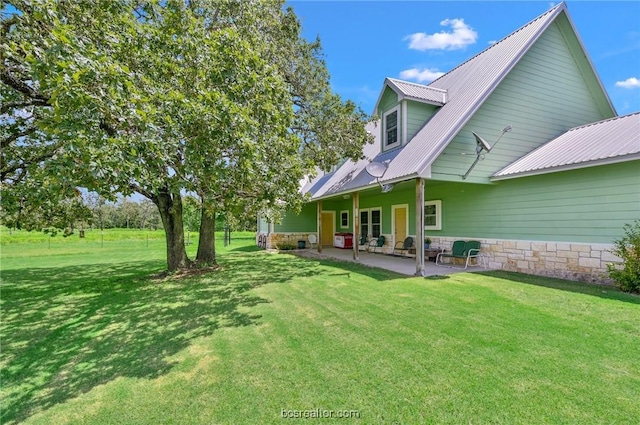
(89, 338)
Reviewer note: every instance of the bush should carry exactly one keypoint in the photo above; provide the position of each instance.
(286, 247)
(627, 274)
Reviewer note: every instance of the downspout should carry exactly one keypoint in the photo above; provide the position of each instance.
(320, 226)
(420, 227)
(356, 226)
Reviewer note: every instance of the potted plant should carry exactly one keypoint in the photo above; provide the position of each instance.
(427, 243)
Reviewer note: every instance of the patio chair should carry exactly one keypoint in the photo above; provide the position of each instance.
(376, 243)
(312, 239)
(464, 250)
(404, 246)
(362, 243)
(472, 250)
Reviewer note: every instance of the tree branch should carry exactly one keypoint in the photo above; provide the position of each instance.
(147, 194)
(9, 169)
(22, 87)
(13, 137)
(21, 104)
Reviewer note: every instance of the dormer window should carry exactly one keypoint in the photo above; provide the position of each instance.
(391, 129)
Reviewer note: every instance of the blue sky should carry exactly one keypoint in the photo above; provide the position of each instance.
(366, 41)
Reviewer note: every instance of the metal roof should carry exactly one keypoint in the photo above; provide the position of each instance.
(467, 87)
(418, 92)
(613, 140)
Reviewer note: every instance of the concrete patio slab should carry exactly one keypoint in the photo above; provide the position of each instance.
(402, 265)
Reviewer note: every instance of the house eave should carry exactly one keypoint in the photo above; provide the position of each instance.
(568, 167)
(371, 186)
(425, 101)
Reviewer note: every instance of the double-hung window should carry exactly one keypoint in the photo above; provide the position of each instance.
(371, 222)
(344, 219)
(391, 128)
(433, 215)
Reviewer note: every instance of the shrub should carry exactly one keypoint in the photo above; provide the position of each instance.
(286, 247)
(627, 274)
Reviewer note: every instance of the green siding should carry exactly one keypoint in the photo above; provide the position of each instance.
(542, 97)
(306, 221)
(586, 205)
(417, 115)
(337, 206)
(389, 100)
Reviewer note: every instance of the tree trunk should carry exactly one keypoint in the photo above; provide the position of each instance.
(170, 207)
(207, 242)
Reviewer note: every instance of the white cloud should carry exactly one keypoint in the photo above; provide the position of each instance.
(461, 36)
(424, 75)
(629, 83)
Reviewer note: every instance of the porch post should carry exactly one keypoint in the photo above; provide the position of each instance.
(320, 226)
(420, 227)
(356, 225)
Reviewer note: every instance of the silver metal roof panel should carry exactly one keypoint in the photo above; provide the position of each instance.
(418, 92)
(613, 140)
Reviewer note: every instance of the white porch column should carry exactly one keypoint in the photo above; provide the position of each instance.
(320, 226)
(356, 225)
(420, 227)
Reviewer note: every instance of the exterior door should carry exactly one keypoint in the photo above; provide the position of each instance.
(399, 224)
(328, 227)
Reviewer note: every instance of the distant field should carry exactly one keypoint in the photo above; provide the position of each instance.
(20, 236)
(89, 336)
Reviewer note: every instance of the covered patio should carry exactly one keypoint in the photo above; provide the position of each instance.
(402, 265)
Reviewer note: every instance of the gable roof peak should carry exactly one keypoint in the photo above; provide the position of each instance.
(414, 91)
(555, 11)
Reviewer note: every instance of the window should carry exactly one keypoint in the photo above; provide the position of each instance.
(391, 138)
(376, 223)
(344, 219)
(433, 215)
(364, 223)
(371, 222)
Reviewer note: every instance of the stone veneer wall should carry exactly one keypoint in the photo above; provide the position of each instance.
(567, 260)
(274, 239)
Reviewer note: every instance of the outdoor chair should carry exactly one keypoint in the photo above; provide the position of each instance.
(404, 246)
(312, 239)
(376, 243)
(465, 251)
(362, 244)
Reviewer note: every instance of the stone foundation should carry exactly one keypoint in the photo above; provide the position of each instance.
(566, 260)
(272, 240)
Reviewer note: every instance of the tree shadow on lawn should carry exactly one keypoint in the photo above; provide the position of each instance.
(601, 291)
(68, 329)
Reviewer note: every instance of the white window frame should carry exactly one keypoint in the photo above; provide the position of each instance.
(369, 222)
(385, 145)
(438, 204)
(342, 226)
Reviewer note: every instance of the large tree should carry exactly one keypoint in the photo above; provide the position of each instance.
(221, 99)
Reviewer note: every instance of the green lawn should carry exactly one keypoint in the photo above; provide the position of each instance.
(88, 337)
